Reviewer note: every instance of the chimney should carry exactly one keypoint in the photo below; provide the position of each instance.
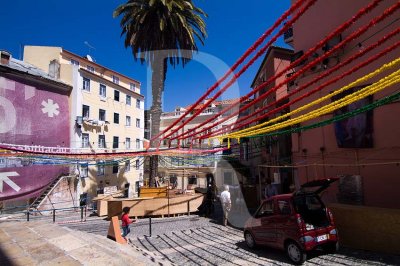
(5, 57)
(54, 69)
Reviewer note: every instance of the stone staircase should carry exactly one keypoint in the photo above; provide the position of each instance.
(33, 243)
(38, 201)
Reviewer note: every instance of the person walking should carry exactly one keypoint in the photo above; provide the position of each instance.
(226, 204)
(270, 190)
(126, 222)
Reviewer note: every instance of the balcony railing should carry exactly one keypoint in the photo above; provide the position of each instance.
(288, 36)
(208, 111)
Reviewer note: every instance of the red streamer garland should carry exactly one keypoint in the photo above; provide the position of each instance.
(233, 68)
(349, 72)
(352, 36)
(338, 30)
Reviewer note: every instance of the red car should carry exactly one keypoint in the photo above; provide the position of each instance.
(296, 223)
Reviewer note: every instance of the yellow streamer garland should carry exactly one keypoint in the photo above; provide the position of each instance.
(328, 96)
(383, 83)
(369, 90)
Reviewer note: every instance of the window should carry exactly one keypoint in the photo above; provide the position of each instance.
(115, 168)
(228, 178)
(100, 168)
(115, 142)
(116, 95)
(102, 115)
(128, 121)
(284, 207)
(102, 141)
(115, 79)
(137, 164)
(266, 209)
(137, 143)
(90, 68)
(85, 140)
(85, 111)
(128, 143)
(84, 170)
(192, 180)
(138, 122)
(116, 118)
(132, 86)
(128, 100)
(86, 84)
(103, 91)
(74, 62)
(138, 103)
(127, 166)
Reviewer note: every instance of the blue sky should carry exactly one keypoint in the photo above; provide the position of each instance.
(232, 27)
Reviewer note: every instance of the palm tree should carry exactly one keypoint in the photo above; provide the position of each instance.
(161, 32)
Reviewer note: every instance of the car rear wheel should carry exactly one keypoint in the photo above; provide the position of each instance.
(295, 253)
(248, 237)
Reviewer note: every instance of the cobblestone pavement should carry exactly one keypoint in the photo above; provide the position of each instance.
(194, 240)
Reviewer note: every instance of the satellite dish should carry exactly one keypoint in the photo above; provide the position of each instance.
(89, 58)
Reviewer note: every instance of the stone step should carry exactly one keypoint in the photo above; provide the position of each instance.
(39, 242)
(125, 251)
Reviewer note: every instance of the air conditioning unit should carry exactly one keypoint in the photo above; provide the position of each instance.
(79, 120)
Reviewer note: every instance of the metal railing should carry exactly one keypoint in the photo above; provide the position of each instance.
(32, 214)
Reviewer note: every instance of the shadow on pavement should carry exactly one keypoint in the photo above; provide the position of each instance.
(265, 252)
(4, 259)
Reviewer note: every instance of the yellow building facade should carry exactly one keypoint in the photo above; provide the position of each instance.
(106, 115)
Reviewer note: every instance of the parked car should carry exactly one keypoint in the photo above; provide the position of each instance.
(297, 222)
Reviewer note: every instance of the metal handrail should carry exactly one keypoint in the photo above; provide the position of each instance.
(82, 208)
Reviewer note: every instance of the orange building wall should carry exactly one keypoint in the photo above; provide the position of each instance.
(380, 182)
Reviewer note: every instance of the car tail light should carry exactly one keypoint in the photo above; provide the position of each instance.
(300, 222)
(330, 215)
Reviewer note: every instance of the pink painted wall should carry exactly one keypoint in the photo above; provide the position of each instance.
(380, 182)
(30, 115)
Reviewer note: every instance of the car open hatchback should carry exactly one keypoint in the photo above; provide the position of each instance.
(297, 222)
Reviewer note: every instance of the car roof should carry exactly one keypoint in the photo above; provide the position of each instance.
(279, 197)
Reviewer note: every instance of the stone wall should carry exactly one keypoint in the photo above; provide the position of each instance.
(368, 228)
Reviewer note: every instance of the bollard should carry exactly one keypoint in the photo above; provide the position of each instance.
(27, 216)
(188, 208)
(150, 226)
(54, 215)
(81, 213)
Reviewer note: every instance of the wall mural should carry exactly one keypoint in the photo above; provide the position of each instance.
(30, 115)
(356, 131)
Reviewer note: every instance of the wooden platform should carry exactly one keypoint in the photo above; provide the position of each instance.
(161, 206)
(154, 192)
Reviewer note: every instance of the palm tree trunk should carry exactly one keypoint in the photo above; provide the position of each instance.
(159, 71)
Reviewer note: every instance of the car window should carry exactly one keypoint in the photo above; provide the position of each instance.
(284, 207)
(307, 203)
(313, 203)
(266, 209)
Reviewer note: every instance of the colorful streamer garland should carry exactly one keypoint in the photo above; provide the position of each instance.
(345, 25)
(369, 90)
(284, 16)
(359, 81)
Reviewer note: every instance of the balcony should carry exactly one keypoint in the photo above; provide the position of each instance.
(175, 114)
(288, 36)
